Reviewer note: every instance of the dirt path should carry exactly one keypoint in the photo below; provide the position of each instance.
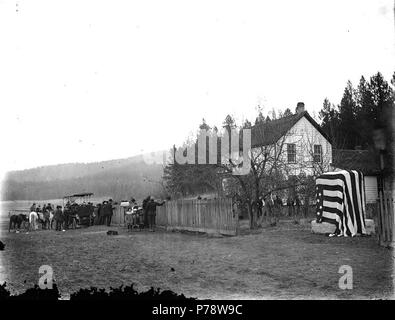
(285, 262)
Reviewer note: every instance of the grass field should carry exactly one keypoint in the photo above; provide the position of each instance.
(280, 262)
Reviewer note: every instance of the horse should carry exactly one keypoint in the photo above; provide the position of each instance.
(17, 220)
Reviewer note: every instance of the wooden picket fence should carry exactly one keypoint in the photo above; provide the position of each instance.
(385, 218)
(118, 216)
(213, 216)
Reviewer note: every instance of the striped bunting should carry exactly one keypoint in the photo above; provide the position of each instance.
(341, 201)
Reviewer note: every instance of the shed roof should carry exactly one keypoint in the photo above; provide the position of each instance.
(84, 194)
(366, 161)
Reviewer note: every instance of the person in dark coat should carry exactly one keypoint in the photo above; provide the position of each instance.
(297, 204)
(110, 211)
(58, 217)
(106, 211)
(259, 206)
(46, 214)
(276, 209)
(102, 212)
(96, 214)
(145, 215)
(290, 205)
(151, 212)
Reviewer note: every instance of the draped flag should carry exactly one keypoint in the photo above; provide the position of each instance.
(341, 201)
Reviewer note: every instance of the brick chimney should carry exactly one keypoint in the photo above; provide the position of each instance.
(299, 107)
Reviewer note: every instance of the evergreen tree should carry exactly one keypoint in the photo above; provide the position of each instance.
(347, 117)
(287, 112)
(330, 123)
(260, 118)
(204, 125)
(229, 122)
(365, 113)
(247, 124)
(360, 111)
(382, 96)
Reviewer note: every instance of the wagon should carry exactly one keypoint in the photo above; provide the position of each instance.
(79, 209)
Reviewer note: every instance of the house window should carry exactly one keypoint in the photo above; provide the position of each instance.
(291, 151)
(317, 156)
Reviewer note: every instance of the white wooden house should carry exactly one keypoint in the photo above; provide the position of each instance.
(297, 141)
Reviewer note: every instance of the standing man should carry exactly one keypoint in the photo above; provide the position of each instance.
(264, 207)
(276, 209)
(96, 214)
(110, 212)
(259, 207)
(151, 212)
(66, 215)
(297, 205)
(145, 215)
(46, 215)
(106, 211)
(58, 217)
(102, 213)
(51, 213)
(290, 203)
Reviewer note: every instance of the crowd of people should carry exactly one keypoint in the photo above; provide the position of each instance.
(50, 217)
(59, 218)
(103, 212)
(272, 206)
(143, 217)
(43, 216)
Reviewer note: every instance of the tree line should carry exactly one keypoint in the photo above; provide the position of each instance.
(362, 109)
(119, 180)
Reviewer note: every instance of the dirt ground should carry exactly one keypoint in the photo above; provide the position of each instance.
(282, 262)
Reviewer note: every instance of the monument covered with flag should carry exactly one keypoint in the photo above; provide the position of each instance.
(340, 201)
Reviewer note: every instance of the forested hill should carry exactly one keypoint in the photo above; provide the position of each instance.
(119, 179)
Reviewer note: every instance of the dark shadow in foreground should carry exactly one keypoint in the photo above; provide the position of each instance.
(93, 293)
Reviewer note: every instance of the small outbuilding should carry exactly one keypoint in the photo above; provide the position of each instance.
(366, 161)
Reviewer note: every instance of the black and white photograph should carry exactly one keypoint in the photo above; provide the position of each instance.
(215, 152)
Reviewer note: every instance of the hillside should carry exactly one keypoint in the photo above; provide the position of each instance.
(119, 179)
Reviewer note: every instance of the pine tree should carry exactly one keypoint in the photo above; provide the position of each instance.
(247, 124)
(260, 118)
(204, 125)
(330, 123)
(287, 112)
(347, 116)
(229, 122)
(365, 113)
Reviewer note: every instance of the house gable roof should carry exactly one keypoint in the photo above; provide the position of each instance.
(270, 132)
(364, 160)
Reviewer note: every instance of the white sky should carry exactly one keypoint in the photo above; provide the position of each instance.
(85, 81)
